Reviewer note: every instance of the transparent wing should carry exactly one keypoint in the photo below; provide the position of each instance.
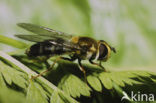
(45, 34)
(34, 38)
(40, 30)
(55, 41)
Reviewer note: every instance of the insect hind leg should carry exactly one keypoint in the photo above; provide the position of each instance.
(49, 69)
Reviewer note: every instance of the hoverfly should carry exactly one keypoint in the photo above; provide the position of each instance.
(50, 42)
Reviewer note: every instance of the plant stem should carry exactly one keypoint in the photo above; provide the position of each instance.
(12, 42)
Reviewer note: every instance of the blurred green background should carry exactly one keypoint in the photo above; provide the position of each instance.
(128, 25)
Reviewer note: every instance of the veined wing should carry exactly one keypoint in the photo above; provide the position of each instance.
(53, 40)
(34, 38)
(45, 34)
(40, 30)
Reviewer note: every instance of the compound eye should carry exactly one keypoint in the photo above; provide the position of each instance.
(103, 51)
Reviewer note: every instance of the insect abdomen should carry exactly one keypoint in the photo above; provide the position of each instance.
(44, 49)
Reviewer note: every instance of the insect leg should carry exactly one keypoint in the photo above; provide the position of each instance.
(100, 65)
(82, 69)
(69, 59)
(50, 68)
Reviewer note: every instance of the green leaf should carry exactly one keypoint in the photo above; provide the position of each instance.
(8, 95)
(35, 94)
(2, 83)
(154, 80)
(66, 98)
(55, 98)
(141, 73)
(12, 75)
(73, 86)
(6, 73)
(94, 82)
(117, 79)
(12, 71)
(59, 97)
(120, 78)
(36, 91)
(106, 80)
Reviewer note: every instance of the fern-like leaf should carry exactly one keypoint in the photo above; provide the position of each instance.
(12, 72)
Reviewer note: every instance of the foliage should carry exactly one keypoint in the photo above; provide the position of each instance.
(128, 25)
(67, 84)
(18, 77)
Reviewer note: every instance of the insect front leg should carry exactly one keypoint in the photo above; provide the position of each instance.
(100, 65)
(82, 69)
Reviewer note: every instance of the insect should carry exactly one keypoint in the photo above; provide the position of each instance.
(50, 43)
